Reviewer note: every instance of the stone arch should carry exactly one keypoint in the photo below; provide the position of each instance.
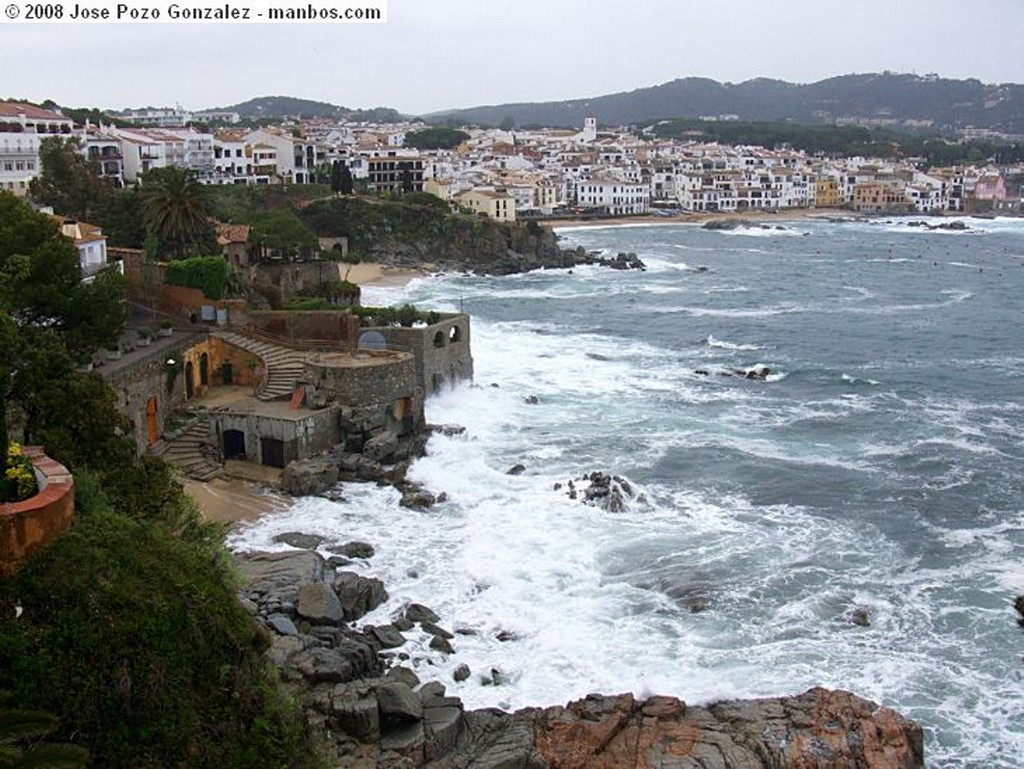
(439, 339)
(455, 335)
(190, 385)
(204, 369)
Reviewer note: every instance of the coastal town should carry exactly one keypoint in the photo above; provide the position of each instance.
(508, 174)
(284, 381)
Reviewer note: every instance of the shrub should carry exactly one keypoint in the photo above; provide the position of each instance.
(142, 650)
(207, 273)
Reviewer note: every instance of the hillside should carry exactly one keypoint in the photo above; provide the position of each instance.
(895, 100)
(290, 107)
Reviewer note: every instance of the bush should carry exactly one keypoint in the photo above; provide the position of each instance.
(207, 273)
(142, 649)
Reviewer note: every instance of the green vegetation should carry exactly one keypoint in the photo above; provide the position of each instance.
(435, 138)
(175, 207)
(282, 233)
(365, 222)
(49, 322)
(406, 315)
(207, 273)
(842, 141)
(18, 480)
(67, 181)
(18, 727)
(142, 649)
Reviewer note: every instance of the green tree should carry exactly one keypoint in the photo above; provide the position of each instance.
(347, 182)
(68, 182)
(282, 232)
(336, 167)
(436, 137)
(176, 208)
(48, 317)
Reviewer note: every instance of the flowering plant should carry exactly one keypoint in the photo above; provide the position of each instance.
(19, 480)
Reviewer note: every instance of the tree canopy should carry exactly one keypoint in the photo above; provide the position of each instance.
(49, 319)
(437, 137)
(176, 208)
(68, 182)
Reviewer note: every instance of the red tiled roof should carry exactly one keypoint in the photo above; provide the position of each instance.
(14, 108)
(232, 233)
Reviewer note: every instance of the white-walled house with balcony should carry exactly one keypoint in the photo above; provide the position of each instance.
(22, 128)
(615, 197)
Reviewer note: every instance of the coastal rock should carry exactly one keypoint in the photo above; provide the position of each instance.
(386, 636)
(517, 469)
(418, 499)
(609, 492)
(381, 447)
(354, 710)
(461, 673)
(448, 430)
(264, 573)
(315, 475)
(300, 540)
(816, 730)
(351, 660)
(417, 612)
(319, 604)
(358, 594)
(397, 700)
(357, 550)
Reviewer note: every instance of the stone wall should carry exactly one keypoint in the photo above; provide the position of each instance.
(302, 438)
(442, 350)
(376, 391)
(142, 393)
(322, 329)
(225, 364)
(33, 523)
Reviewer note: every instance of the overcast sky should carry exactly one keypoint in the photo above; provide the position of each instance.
(434, 55)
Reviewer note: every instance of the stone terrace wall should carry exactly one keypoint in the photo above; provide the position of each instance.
(381, 394)
(33, 523)
(335, 329)
(442, 350)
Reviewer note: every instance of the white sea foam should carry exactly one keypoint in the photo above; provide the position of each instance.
(708, 589)
(712, 342)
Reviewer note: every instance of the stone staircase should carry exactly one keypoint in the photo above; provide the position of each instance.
(191, 451)
(284, 365)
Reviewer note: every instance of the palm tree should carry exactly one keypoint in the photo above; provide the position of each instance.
(176, 209)
(18, 727)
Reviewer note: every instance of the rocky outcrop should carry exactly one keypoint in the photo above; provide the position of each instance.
(819, 728)
(380, 718)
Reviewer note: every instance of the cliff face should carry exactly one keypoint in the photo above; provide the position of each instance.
(383, 718)
(415, 236)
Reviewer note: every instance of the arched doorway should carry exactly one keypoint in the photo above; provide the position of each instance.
(190, 387)
(234, 444)
(204, 369)
(152, 428)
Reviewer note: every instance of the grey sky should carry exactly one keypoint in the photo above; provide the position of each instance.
(434, 55)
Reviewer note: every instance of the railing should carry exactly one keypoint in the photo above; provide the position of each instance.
(307, 344)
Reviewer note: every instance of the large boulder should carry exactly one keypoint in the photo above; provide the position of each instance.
(319, 604)
(302, 477)
(358, 594)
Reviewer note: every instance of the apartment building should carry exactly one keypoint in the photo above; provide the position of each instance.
(22, 128)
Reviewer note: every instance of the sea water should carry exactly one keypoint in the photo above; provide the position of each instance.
(875, 475)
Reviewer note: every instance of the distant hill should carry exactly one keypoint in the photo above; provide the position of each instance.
(290, 107)
(895, 100)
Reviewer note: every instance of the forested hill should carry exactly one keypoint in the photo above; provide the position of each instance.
(896, 100)
(288, 106)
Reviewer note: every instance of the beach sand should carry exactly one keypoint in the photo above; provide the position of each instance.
(367, 273)
(784, 215)
(232, 500)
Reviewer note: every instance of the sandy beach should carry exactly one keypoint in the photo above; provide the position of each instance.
(232, 500)
(367, 273)
(785, 215)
